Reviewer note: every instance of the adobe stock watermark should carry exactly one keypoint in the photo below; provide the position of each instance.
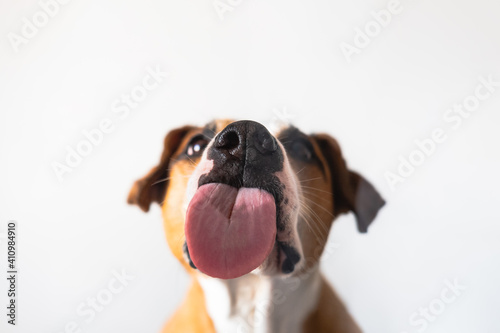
(88, 309)
(453, 118)
(364, 36)
(222, 7)
(425, 315)
(31, 27)
(12, 271)
(121, 108)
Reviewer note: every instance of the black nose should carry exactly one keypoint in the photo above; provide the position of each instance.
(245, 154)
(245, 139)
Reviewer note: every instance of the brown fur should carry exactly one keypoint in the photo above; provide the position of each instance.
(191, 316)
(330, 315)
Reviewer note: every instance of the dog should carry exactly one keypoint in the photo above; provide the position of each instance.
(248, 213)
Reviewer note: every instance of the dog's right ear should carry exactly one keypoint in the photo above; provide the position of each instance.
(152, 187)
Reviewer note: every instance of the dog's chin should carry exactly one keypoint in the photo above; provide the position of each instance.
(271, 267)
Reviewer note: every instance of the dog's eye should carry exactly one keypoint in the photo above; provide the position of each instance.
(301, 151)
(196, 146)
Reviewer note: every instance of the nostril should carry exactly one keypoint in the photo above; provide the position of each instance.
(228, 140)
(266, 141)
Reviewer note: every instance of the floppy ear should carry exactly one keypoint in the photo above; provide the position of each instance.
(152, 187)
(351, 192)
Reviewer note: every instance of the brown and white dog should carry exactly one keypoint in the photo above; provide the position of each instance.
(248, 213)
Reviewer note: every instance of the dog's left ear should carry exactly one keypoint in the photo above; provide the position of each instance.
(351, 192)
(152, 187)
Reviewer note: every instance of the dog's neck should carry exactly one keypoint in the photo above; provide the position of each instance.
(255, 303)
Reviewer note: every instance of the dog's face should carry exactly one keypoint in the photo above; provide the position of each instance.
(237, 199)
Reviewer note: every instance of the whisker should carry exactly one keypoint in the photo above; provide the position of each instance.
(318, 219)
(308, 180)
(317, 195)
(317, 189)
(306, 220)
(320, 206)
(315, 217)
(300, 170)
(160, 181)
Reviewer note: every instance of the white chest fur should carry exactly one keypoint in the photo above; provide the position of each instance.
(260, 304)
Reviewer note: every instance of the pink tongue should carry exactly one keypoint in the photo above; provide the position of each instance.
(230, 231)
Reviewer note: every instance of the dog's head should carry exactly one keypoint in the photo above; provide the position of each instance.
(237, 199)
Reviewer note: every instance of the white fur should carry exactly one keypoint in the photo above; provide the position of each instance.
(261, 304)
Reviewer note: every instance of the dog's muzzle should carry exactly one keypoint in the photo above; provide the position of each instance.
(235, 214)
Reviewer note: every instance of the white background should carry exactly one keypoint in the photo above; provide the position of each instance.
(441, 224)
